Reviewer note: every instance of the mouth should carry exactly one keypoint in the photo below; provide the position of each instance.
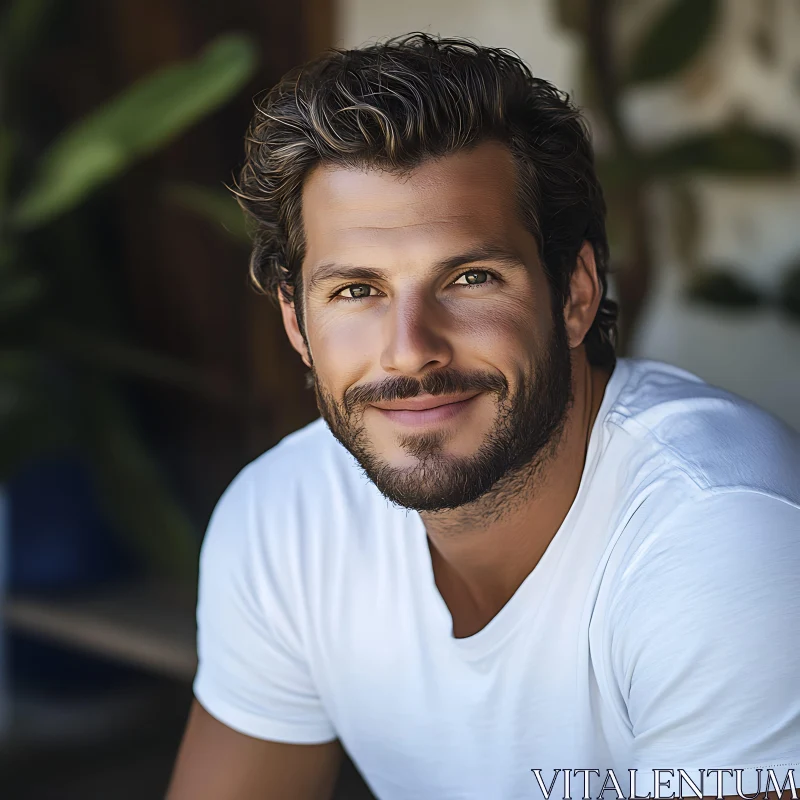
(425, 410)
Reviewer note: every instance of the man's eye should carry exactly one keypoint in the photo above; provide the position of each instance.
(472, 278)
(356, 291)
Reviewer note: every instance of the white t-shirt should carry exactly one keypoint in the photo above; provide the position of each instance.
(660, 630)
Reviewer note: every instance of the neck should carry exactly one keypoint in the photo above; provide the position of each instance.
(481, 553)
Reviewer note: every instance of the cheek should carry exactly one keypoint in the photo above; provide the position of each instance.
(340, 348)
(507, 326)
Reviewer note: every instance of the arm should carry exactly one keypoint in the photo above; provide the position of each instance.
(217, 763)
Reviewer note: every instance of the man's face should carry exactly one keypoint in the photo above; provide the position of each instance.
(439, 361)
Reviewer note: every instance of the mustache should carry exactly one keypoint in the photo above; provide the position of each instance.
(435, 383)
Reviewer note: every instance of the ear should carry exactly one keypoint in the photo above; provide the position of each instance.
(292, 328)
(584, 297)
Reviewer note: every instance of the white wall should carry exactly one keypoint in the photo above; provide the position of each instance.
(754, 227)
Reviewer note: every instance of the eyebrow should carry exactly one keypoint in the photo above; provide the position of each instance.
(350, 272)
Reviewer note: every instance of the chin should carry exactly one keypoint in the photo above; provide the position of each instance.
(433, 481)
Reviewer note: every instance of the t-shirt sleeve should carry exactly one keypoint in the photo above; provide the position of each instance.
(252, 672)
(706, 652)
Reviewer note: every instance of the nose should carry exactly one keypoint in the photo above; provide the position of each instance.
(415, 340)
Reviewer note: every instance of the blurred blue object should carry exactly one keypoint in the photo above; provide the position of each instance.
(58, 538)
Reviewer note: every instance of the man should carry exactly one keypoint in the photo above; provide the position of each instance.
(503, 557)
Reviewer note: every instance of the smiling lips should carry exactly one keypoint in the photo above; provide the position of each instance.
(425, 409)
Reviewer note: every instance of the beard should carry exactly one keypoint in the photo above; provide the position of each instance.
(525, 432)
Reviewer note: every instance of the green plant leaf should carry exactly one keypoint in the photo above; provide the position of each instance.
(737, 150)
(214, 205)
(147, 116)
(718, 286)
(673, 41)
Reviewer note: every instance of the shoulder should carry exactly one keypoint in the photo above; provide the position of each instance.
(305, 472)
(309, 456)
(292, 506)
(709, 540)
(714, 438)
(718, 569)
(719, 539)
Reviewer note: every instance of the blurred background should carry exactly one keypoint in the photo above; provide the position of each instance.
(139, 372)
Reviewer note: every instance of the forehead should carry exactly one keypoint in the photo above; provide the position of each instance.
(464, 199)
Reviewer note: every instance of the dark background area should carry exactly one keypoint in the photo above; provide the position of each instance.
(144, 300)
(179, 284)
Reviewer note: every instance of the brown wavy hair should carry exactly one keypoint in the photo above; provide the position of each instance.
(394, 104)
